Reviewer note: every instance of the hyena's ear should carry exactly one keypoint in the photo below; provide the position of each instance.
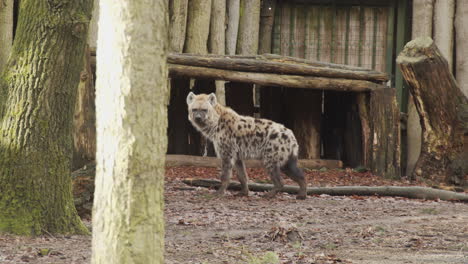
(190, 98)
(212, 99)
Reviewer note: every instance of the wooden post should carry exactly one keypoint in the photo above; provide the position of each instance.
(442, 108)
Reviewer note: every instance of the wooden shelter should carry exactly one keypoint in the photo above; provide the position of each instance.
(369, 140)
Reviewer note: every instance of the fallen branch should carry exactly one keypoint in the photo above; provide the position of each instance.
(414, 192)
(197, 161)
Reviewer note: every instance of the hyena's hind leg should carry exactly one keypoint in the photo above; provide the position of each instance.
(275, 176)
(297, 175)
(226, 172)
(242, 176)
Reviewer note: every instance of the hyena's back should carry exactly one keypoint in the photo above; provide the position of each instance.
(254, 138)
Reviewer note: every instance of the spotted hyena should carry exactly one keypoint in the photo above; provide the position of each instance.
(237, 138)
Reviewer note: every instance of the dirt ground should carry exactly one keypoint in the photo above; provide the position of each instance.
(202, 228)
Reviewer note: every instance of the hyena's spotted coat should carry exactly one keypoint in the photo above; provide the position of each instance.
(237, 138)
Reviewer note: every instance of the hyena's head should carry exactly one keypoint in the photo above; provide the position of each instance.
(201, 111)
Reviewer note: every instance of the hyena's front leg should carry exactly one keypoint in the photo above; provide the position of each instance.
(242, 176)
(226, 171)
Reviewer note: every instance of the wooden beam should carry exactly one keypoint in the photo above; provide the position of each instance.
(268, 66)
(270, 79)
(198, 161)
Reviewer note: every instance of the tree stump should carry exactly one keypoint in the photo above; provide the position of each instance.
(440, 104)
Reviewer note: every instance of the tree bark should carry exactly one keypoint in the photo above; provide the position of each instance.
(186, 160)
(93, 27)
(269, 79)
(233, 10)
(218, 41)
(84, 123)
(444, 13)
(131, 104)
(267, 66)
(439, 102)
(6, 31)
(267, 16)
(198, 26)
(37, 99)
(415, 192)
(422, 27)
(385, 122)
(461, 27)
(247, 43)
(178, 23)
(304, 108)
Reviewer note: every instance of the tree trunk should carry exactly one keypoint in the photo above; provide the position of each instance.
(444, 13)
(218, 41)
(93, 27)
(385, 122)
(266, 26)
(414, 192)
(439, 102)
(6, 31)
(422, 27)
(37, 99)
(304, 110)
(247, 43)
(178, 23)
(461, 27)
(131, 104)
(233, 11)
(84, 123)
(267, 66)
(198, 26)
(270, 79)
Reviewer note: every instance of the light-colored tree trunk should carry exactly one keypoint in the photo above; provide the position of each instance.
(422, 27)
(6, 31)
(198, 26)
(218, 40)
(131, 105)
(444, 13)
(93, 26)
(461, 44)
(249, 25)
(233, 11)
(178, 21)
(37, 99)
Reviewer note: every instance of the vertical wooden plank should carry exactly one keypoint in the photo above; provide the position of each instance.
(354, 36)
(389, 65)
(381, 39)
(367, 38)
(341, 35)
(326, 27)
(333, 34)
(312, 32)
(276, 49)
(285, 35)
(362, 31)
(292, 31)
(319, 33)
(402, 37)
(300, 31)
(348, 32)
(374, 37)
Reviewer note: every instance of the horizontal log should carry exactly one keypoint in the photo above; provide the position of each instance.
(270, 79)
(197, 161)
(414, 192)
(268, 66)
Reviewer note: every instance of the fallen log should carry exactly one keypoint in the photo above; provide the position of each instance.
(270, 79)
(269, 66)
(441, 106)
(413, 192)
(197, 161)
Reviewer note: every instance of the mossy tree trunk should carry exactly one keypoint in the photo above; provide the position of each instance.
(131, 105)
(6, 30)
(442, 108)
(37, 99)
